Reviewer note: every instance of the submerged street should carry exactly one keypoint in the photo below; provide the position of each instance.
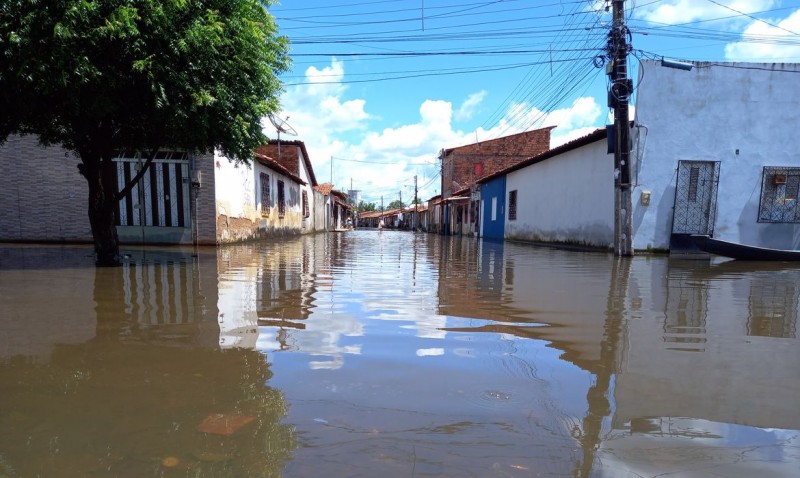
(395, 354)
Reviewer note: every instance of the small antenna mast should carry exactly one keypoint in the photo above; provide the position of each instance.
(281, 126)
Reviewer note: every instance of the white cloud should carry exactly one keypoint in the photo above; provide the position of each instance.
(468, 107)
(680, 11)
(335, 129)
(318, 108)
(771, 50)
(573, 121)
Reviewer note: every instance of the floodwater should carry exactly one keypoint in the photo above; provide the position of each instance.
(395, 354)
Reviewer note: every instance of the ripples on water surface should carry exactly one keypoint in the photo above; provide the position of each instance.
(367, 354)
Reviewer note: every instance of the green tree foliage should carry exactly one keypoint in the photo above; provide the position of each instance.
(396, 204)
(366, 206)
(99, 77)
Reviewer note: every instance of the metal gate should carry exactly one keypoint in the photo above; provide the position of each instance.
(695, 201)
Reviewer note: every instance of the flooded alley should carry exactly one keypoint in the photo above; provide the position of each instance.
(395, 354)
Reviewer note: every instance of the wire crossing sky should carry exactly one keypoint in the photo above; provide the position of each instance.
(379, 87)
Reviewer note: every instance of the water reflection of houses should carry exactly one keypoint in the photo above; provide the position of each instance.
(262, 282)
(536, 293)
(267, 293)
(710, 346)
(663, 338)
(161, 293)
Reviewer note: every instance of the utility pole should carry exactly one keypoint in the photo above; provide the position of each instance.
(416, 201)
(621, 87)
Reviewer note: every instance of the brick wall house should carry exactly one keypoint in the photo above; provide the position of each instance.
(43, 198)
(463, 166)
(181, 200)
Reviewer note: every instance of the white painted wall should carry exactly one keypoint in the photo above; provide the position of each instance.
(568, 198)
(308, 224)
(234, 188)
(238, 202)
(707, 114)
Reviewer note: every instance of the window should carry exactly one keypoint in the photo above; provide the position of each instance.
(779, 195)
(306, 209)
(265, 202)
(694, 177)
(512, 205)
(281, 200)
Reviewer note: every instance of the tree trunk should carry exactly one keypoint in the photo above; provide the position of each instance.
(100, 173)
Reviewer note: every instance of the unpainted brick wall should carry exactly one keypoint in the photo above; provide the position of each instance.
(459, 170)
(42, 195)
(289, 156)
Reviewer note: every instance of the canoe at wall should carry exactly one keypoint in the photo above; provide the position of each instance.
(742, 251)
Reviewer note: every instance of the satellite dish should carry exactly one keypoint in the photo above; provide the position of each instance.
(281, 126)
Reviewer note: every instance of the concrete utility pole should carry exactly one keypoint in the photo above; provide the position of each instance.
(416, 201)
(619, 95)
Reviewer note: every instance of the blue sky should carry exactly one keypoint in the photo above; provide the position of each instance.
(379, 87)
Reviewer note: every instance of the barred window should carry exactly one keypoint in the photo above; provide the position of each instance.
(265, 202)
(512, 205)
(779, 195)
(281, 200)
(306, 209)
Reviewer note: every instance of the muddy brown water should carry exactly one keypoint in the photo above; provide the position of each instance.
(395, 354)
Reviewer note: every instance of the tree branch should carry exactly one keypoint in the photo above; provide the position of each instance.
(128, 187)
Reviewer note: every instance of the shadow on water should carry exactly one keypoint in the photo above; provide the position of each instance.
(144, 389)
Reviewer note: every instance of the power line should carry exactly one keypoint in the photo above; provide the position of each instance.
(419, 75)
(751, 16)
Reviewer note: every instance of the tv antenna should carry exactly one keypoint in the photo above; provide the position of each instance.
(281, 126)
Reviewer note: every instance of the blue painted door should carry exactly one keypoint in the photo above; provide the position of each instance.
(493, 201)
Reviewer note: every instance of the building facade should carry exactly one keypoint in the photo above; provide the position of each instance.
(716, 152)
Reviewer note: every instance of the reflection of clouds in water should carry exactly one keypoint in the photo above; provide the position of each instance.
(321, 338)
(464, 352)
(430, 352)
(242, 337)
(237, 309)
(427, 326)
(672, 445)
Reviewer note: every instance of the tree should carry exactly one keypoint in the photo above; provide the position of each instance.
(396, 204)
(366, 206)
(101, 77)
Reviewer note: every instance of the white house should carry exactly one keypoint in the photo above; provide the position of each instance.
(717, 153)
(714, 151)
(563, 196)
(268, 198)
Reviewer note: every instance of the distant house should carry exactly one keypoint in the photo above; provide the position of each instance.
(564, 196)
(369, 219)
(463, 166)
(336, 206)
(714, 151)
(434, 214)
(341, 209)
(182, 199)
